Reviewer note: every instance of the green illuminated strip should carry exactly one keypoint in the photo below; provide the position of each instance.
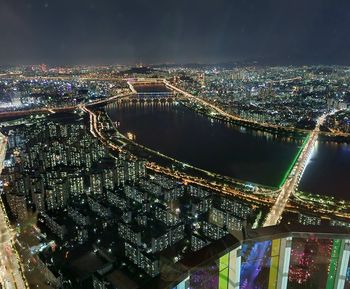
(333, 264)
(223, 279)
(223, 262)
(274, 264)
(294, 161)
(223, 272)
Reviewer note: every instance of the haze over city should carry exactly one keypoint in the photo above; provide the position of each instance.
(129, 32)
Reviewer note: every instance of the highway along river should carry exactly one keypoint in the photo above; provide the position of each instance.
(231, 150)
(206, 143)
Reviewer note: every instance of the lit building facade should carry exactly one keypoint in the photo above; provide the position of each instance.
(271, 258)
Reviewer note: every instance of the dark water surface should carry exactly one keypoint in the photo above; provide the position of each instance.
(213, 145)
(328, 170)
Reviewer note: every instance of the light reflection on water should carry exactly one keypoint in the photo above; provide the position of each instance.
(237, 151)
(211, 144)
(328, 170)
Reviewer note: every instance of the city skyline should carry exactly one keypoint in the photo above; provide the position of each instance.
(114, 176)
(190, 144)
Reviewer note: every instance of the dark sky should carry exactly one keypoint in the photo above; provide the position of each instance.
(158, 31)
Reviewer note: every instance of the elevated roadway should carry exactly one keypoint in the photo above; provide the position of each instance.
(21, 113)
(292, 180)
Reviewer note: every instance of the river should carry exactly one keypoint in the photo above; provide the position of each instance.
(230, 150)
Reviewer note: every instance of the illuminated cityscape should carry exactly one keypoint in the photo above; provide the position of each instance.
(174, 145)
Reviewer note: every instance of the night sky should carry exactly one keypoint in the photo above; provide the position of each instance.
(177, 31)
